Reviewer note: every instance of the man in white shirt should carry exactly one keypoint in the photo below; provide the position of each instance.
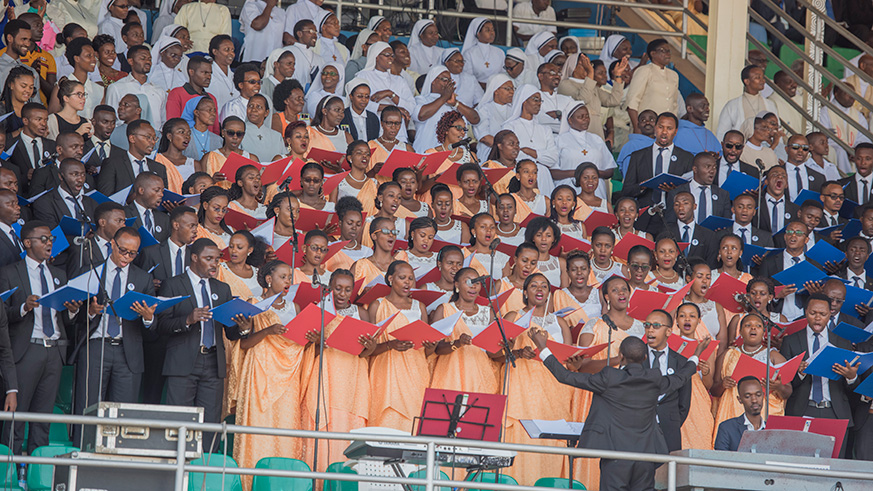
(857, 251)
(534, 9)
(818, 150)
(744, 209)
(554, 104)
(746, 106)
(306, 62)
(140, 60)
(777, 209)
(247, 80)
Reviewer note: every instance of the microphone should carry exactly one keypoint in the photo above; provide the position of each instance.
(759, 163)
(742, 299)
(47, 160)
(315, 280)
(609, 322)
(480, 279)
(463, 143)
(286, 183)
(493, 245)
(657, 209)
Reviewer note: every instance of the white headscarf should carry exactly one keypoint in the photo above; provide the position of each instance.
(363, 36)
(570, 65)
(447, 53)
(104, 10)
(565, 116)
(494, 83)
(163, 43)
(170, 30)
(354, 83)
(522, 94)
(321, 19)
(609, 47)
(274, 57)
(375, 50)
(571, 38)
(375, 21)
(536, 42)
(434, 72)
(470, 39)
(415, 35)
(340, 85)
(517, 54)
(550, 56)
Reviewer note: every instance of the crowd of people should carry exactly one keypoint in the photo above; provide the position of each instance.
(541, 183)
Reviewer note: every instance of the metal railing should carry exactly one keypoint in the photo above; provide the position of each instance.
(181, 467)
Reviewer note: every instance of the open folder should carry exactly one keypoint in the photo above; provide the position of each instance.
(123, 305)
(419, 332)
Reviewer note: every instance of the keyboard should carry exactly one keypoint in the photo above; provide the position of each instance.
(416, 454)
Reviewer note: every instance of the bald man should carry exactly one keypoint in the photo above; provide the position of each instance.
(69, 145)
(693, 135)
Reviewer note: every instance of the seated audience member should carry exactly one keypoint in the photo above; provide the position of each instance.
(654, 86)
(748, 105)
(539, 10)
(750, 393)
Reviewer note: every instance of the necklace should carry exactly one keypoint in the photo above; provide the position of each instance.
(352, 177)
(675, 276)
(353, 243)
(332, 132)
(511, 232)
(595, 266)
(202, 18)
(750, 353)
(388, 142)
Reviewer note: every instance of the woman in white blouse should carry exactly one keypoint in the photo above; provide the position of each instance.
(222, 52)
(437, 98)
(423, 49)
(483, 60)
(466, 87)
(578, 145)
(494, 109)
(536, 142)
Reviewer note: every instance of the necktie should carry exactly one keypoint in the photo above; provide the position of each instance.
(36, 159)
(101, 150)
(147, 220)
(865, 192)
(656, 360)
(76, 210)
(858, 282)
(15, 240)
(797, 302)
(774, 219)
(208, 328)
(701, 205)
(108, 249)
(659, 169)
(817, 392)
(743, 236)
(798, 180)
(141, 164)
(179, 263)
(833, 220)
(113, 329)
(685, 234)
(48, 328)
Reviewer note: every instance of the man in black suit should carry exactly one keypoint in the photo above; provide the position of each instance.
(814, 396)
(750, 393)
(744, 207)
(777, 209)
(169, 258)
(69, 146)
(195, 364)
(110, 356)
(32, 149)
(623, 411)
(857, 252)
(702, 241)
(37, 333)
(732, 145)
(673, 406)
(109, 218)
(147, 192)
(800, 176)
(10, 242)
(858, 187)
(119, 172)
(651, 161)
(361, 123)
(7, 366)
(68, 199)
(835, 290)
(103, 123)
(832, 199)
(788, 302)
(715, 201)
(810, 213)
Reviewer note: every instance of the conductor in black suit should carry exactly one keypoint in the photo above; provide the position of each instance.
(68, 199)
(10, 242)
(37, 333)
(702, 241)
(356, 117)
(195, 364)
(146, 195)
(119, 172)
(673, 406)
(649, 162)
(623, 411)
(32, 148)
(69, 146)
(110, 356)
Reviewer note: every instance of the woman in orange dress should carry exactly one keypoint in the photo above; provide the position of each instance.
(587, 178)
(449, 260)
(638, 268)
(483, 231)
(391, 120)
(730, 252)
(387, 205)
(324, 131)
(197, 183)
(283, 207)
(345, 398)
(626, 212)
(525, 265)
(666, 272)
(311, 193)
(296, 138)
(724, 386)
(712, 314)
(564, 207)
(410, 182)
(530, 377)
(419, 240)
(175, 137)
(527, 198)
(232, 131)
(580, 294)
(508, 230)
(443, 205)
(762, 292)
(504, 153)
(270, 385)
(470, 178)
(460, 365)
(699, 426)
(213, 207)
(398, 373)
(351, 226)
(288, 101)
(383, 235)
(313, 252)
(245, 190)
(545, 234)
(356, 184)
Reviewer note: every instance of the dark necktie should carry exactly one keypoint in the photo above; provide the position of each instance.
(113, 329)
(36, 159)
(15, 240)
(656, 360)
(101, 151)
(833, 220)
(76, 210)
(797, 302)
(858, 282)
(108, 249)
(208, 327)
(659, 169)
(701, 205)
(865, 192)
(743, 236)
(685, 234)
(48, 328)
(774, 219)
(798, 179)
(147, 220)
(180, 265)
(817, 391)
(141, 164)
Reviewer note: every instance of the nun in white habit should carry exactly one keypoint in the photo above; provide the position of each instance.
(525, 76)
(536, 142)
(467, 88)
(111, 25)
(483, 60)
(537, 48)
(317, 91)
(422, 57)
(577, 145)
(395, 91)
(358, 58)
(494, 109)
(166, 16)
(162, 74)
(425, 128)
(615, 48)
(328, 46)
(381, 26)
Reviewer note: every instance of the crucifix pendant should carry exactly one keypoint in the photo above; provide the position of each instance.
(260, 137)
(584, 151)
(487, 64)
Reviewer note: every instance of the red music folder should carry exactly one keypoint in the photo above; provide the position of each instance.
(624, 246)
(399, 159)
(677, 298)
(378, 290)
(566, 244)
(685, 346)
(419, 332)
(791, 327)
(428, 276)
(315, 219)
(491, 340)
(450, 176)
(599, 219)
(238, 220)
(345, 336)
(643, 302)
(748, 366)
(530, 217)
(820, 426)
(233, 163)
(426, 297)
(309, 319)
(322, 155)
(274, 171)
(563, 351)
(723, 291)
(305, 294)
(332, 249)
(333, 181)
(433, 161)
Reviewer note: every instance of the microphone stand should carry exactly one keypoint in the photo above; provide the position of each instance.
(510, 357)
(284, 186)
(320, 389)
(743, 299)
(612, 327)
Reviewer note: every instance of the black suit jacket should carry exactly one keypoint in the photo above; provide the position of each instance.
(850, 187)
(674, 406)
(183, 341)
(94, 159)
(159, 255)
(721, 202)
(117, 173)
(730, 432)
(51, 207)
(814, 179)
(373, 126)
(704, 242)
(21, 157)
(745, 168)
(796, 344)
(640, 169)
(622, 415)
(756, 237)
(91, 253)
(162, 221)
(764, 214)
(21, 328)
(48, 178)
(774, 264)
(7, 360)
(9, 253)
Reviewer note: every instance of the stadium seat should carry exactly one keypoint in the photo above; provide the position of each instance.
(8, 475)
(59, 433)
(340, 468)
(214, 481)
(557, 482)
(40, 476)
(273, 483)
(422, 474)
(64, 399)
(492, 477)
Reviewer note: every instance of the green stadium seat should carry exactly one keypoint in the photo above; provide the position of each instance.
(493, 477)
(340, 468)
(213, 481)
(64, 399)
(273, 483)
(59, 433)
(8, 473)
(40, 476)
(422, 474)
(557, 482)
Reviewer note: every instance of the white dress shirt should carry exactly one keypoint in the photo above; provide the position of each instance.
(830, 170)
(724, 169)
(748, 231)
(682, 226)
(666, 155)
(156, 96)
(695, 188)
(822, 342)
(830, 220)
(104, 246)
(792, 170)
(552, 102)
(7, 230)
(135, 166)
(68, 200)
(662, 359)
(360, 122)
(751, 427)
(36, 289)
(855, 279)
(110, 279)
(257, 45)
(199, 300)
(789, 309)
(141, 210)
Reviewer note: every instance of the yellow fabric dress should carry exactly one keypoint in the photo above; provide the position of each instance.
(214, 161)
(698, 427)
(318, 140)
(232, 350)
(468, 368)
(203, 233)
(563, 298)
(367, 270)
(174, 179)
(502, 185)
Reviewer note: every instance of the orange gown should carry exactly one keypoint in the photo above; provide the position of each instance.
(232, 350)
(562, 299)
(728, 405)
(468, 368)
(397, 379)
(698, 427)
(203, 233)
(345, 400)
(534, 393)
(522, 209)
(514, 303)
(214, 162)
(582, 211)
(367, 196)
(367, 270)
(174, 179)
(270, 395)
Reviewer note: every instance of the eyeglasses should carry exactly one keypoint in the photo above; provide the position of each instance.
(317, 249)
(835, 197)
(656, 325)
(798, 146)
(460, 128)
(125, 253)
(80, 94)
(234, 134)
(312, 180)
(45, 239)
(641, 267)
(733, 146)
(330, 73)
(392, 124)
(147, 137)
(253, 81)
(387, 231)
(795, 232)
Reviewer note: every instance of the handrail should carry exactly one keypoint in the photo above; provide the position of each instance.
(686, 39)
(842, 31)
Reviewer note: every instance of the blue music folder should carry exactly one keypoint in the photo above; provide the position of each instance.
(848, 208)
(852, 333)
(73, 227)
(751, 250)
(184, 199)
(27, 201)
(865, 388)
(715, 223)
(855, 296)
(738, 183)
(822, 363)
(146, 238)
(60, 244)
(8, 293)
(123, 304)
(56, 299)
(852, 229)
(805, 195)
(823, 252)
(664, 178)
(799, 274)
(225, 312)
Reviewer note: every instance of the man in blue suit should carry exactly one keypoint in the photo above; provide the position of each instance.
(730, 432)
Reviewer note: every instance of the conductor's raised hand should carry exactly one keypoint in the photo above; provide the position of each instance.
(575, 362)
(539, 338)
